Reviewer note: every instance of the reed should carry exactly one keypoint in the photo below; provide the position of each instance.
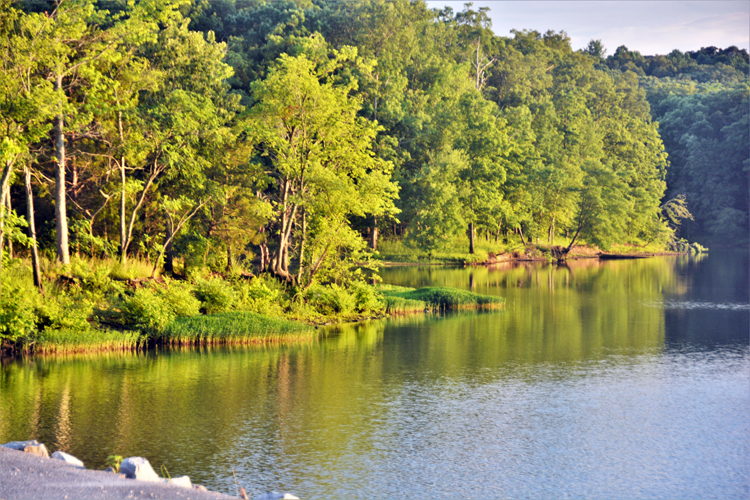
(69, 340)
(233, 328)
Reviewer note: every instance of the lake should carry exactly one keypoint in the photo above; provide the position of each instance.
(599, 379)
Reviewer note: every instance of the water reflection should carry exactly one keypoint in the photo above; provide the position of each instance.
(587, 384)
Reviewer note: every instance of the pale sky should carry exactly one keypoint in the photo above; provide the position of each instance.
(648, 26)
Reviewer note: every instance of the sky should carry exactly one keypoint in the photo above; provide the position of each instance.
(648, 26)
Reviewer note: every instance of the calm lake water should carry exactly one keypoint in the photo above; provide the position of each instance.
(619, 379)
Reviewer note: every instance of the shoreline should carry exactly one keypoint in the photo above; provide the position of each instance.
(29, 476)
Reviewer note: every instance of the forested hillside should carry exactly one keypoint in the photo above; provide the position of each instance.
(296, 133)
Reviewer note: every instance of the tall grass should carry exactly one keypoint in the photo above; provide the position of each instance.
(66, 340)
(233, 328)
(437, 299)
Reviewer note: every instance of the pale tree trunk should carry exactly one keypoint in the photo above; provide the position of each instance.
(123, 194)
(8, 210)
(4, 181)
(471, 237)
(374, 234)
(61, 216)
(280, 262)
(36, 267)
(302, 246)
(551, 236)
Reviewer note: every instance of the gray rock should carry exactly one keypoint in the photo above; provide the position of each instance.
(109, 469)
(68, 458)
(182, 481)
(20, 445)
(275, 495)
(138, 468)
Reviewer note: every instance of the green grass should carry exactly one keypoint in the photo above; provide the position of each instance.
(67, 340)
(233, 328)
(402, 299)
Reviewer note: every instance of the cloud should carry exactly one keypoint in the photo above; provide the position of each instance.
(651, 27)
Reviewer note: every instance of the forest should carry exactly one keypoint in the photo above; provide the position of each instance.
(288, 137)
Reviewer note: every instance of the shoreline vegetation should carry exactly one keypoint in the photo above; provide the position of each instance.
(99, 305)
(94, 306)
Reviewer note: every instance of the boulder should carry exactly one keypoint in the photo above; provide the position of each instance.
(138, 468)
(68, 459)
(275, 495)
(37, 449)
(20, 445)
(199, 487)
(182, 481)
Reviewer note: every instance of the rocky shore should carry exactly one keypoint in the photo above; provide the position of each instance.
(29, 472)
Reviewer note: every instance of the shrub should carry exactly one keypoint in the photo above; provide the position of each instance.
(366, 298)
(17, 318)
(215, 294)
(259, 295)
(146, 310)
(330, 300)
(179, 297)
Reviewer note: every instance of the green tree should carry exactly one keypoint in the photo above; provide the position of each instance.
(319, 157)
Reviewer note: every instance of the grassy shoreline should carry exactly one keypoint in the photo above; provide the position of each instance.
(89, 308)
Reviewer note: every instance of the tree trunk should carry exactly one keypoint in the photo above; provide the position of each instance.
(520, 231)
(36, 268)
(302, 246)
(61, 216)
(551, 236)
(169, 254)
(471, 237)
(230, 263)
(123, 224)
(374, 234)
(4, 181)
(8, 210)
(264, 258)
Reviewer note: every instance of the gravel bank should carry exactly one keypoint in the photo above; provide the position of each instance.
(26, 476)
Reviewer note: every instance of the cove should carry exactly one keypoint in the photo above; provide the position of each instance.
(617, 379)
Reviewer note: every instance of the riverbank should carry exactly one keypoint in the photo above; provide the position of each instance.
(28, 476)
(84, 308)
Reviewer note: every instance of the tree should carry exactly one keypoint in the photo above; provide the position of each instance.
(318, 154)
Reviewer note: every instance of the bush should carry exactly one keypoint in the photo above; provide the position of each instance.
(17, 318)
(146, 310)
(330, 300)
(179, 297)
(215, 294)
(261, 295)
(366, 298)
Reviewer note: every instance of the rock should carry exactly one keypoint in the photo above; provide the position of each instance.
(68, 459)
(199, 487)
(275, 495)
(39, 450)
(182, 481)
(138, 468)
(110, 469)
(20, 445)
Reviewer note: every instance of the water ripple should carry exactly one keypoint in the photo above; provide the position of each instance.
(697, 304)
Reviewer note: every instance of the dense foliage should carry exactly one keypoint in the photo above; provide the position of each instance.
(219, 132)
